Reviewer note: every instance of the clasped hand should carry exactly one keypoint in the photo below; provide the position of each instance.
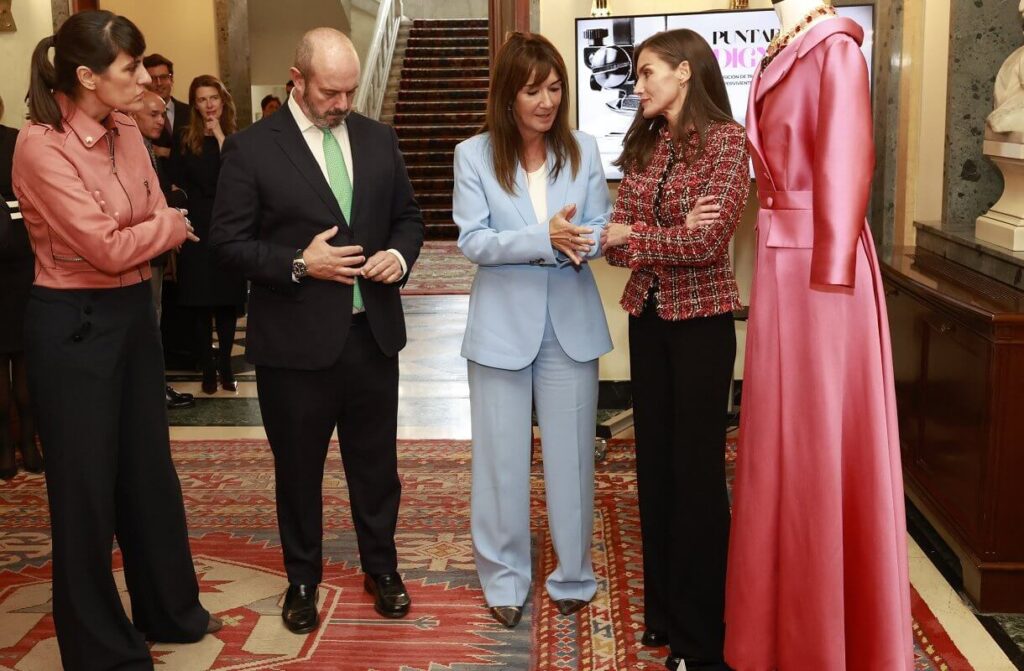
(344, 264)
(566, 237)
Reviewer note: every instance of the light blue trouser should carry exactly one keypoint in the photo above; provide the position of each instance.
(565, 392)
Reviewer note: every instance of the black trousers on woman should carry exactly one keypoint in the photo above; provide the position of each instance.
(96, 377)
(680, 384)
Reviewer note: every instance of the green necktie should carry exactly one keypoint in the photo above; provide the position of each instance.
(341, 186)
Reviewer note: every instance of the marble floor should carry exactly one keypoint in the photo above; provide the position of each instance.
(434, 403)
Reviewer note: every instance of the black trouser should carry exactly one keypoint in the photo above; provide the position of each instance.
(680, 383)
(14, 384)
(359, 395)
(96, 376)
(225, 319)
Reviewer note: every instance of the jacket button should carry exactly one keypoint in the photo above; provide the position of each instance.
(76, 338)
(87, 309)
(769, 201)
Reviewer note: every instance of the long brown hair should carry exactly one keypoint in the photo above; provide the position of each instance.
(92, 39)
(706, 101)
(193, 134)
(526, 58)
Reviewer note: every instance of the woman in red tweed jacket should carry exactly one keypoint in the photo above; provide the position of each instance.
(686, 180)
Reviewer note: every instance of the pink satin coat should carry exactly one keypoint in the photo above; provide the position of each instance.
(817, 561)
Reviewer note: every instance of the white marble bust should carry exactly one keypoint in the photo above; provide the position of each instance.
(1006, 122)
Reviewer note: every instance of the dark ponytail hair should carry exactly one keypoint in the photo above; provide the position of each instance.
(92, 39)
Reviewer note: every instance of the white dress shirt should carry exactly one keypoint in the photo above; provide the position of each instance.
(314, 137)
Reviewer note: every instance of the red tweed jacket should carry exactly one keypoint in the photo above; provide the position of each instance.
(691, 267)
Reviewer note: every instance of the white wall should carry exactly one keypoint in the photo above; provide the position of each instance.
(183, 30)
(35, 21)
(275, 27)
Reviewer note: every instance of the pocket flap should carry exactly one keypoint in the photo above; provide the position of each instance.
(790, 228)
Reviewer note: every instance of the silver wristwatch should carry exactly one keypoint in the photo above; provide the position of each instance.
(299, 269)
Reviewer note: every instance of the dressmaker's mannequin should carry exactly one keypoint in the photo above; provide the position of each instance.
(791, 12)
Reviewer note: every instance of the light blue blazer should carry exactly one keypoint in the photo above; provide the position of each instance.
(521, 279)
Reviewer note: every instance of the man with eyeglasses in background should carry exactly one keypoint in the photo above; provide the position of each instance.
(161, 71)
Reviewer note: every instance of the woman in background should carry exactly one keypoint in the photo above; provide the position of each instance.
(96, 216)
(17, 267)
(686, 180)
(215, 293)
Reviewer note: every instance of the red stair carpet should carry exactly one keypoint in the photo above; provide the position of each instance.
(441, 101)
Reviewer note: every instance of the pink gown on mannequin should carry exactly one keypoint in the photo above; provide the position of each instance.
(817, 560)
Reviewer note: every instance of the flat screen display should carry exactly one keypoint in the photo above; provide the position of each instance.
(605, 102)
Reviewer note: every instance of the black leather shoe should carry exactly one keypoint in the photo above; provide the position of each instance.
(31, 460)
(674, 662)
(570, 606)
(507, 616)
(299, 612)
(214, 624)
(176, 400)
(390, 596)
(654, 639)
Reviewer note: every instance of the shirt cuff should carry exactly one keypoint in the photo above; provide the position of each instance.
(401, 261)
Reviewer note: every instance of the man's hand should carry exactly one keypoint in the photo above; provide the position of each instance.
(568, 238)
(327, 262)
(383, 267)
(161, 152)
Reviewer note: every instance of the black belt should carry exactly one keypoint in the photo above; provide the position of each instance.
(359, 317)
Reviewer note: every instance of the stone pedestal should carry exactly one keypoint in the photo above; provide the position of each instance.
(1003, 224)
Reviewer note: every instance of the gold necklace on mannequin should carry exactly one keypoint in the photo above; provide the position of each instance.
(783, 39)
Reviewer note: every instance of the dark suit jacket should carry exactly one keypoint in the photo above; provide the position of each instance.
(182, 114)
(272, 198)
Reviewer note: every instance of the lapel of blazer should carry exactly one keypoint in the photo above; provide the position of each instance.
(783, 63)
(361, 154)
(754, 128)
(557, 190)
(291, 142)
(521, 198)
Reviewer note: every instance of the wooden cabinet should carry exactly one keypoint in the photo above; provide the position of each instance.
(958, 357)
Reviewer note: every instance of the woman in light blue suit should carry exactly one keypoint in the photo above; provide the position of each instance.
(536, 324)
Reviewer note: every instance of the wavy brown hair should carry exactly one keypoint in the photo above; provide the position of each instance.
(193, 134)
(706, 100)
(526, 58)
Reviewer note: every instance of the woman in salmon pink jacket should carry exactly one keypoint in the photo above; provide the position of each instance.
(96, 216)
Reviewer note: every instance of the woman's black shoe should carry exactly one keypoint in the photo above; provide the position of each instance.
(508, 616)
(227, 380)
(8, 467)
(227, 377)
(654, 639)
(209, 378)
(570, 606)
(31, 460)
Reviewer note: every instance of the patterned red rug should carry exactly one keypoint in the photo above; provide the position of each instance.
(229, 492)
(440, 269)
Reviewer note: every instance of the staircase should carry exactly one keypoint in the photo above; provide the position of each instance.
(440, 74)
